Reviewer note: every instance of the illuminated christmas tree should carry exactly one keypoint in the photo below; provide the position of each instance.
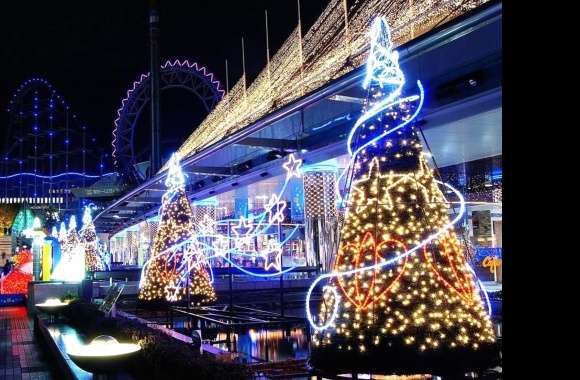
(89, 241)
(62, 233)
(173, 265)
(72, 240)
(401, 298)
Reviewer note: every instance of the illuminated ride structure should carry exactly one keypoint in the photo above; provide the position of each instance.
(47, 151)
(174, 74)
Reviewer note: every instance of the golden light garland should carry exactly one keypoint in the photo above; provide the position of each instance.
(335, 45)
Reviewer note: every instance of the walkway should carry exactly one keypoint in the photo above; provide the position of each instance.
(21, 357)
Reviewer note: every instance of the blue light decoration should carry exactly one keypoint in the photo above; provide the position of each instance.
(55, 243)
(211, 201)
(72, 174)
(382, 72)
(297, 203)
(241, 207)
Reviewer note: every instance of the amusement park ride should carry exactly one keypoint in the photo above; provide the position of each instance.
(47, 151)
(191, 77)
(50, 158)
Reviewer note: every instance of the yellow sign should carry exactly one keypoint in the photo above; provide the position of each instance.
(491, 262)
(46, 261)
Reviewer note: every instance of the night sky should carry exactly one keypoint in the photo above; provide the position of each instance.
(91, 51)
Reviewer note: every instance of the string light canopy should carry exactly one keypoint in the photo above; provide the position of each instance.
(335, 45)
(401, 298)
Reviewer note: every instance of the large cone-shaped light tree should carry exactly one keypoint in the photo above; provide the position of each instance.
(89, 241)
(173, 266)
(401, 298)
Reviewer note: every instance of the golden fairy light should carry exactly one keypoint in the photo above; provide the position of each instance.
(335, 45)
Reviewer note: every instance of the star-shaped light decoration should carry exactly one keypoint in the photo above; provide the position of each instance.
(292, 167)
(172, 291)
(195, 256)
(272, 255)
(275, 209)
(246, 224)
(242, 238)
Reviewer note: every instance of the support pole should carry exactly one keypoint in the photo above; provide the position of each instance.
(282, 275)
(231, 282)
(300, 51)
(154, 69)
(267, 48)
(227, 78)
(244, 66)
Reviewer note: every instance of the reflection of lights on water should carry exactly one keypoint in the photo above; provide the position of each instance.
(273, 344)
(390, 377)
(103, 346)
(253, 335)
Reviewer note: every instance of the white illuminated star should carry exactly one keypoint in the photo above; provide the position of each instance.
(272, 255)
(275, 209)
(292, 167)
(244, 224)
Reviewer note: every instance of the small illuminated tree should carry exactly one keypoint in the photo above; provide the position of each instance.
(72, 239)
(169, 270)
(89, 241)
(62, 233)
(417, 308)
(72, 260)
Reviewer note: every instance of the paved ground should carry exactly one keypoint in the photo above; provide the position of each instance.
(21, 357)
